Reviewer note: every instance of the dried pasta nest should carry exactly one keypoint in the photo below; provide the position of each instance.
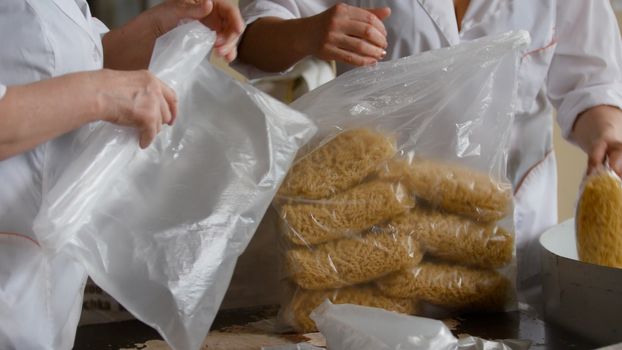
(345, 214)
(451, 286)
(339, 164)
(453, 188)
(455, 238)
(305, 301)
(351, 261)
(599, 220)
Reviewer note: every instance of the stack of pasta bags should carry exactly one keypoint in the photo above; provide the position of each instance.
(365, 225)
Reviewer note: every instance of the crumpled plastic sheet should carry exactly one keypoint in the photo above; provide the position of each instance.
(353, 327)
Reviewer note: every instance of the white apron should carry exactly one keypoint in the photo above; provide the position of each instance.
(573, 63)
(40, 295)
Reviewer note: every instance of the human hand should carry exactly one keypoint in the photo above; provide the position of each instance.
(220, 16)
(349, 34)
(599, 133)
(225, 19)
(134, 98)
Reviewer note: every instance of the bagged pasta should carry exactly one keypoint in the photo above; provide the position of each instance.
(599, 219)
(450, 286)
(303, 302)
(403, 194)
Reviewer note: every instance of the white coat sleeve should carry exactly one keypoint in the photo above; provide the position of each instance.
(2, 90)
(99, 27)
(586, 69)
(252, 10)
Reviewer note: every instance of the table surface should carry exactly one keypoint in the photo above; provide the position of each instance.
(512, 325)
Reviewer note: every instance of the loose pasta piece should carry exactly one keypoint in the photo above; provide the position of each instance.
(453, 188)
(297, 312)
(599, 220)
(351, 261)
(454, 287)
(455, 238)
(338, 165)
(345, 214)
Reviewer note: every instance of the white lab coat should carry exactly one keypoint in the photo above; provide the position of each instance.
(573, 63)
(40, 295)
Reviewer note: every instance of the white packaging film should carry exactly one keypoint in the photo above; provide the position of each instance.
(160, 230)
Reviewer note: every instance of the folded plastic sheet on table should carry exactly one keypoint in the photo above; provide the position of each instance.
(353, 327)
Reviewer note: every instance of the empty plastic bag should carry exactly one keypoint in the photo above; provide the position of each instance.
(160, 230)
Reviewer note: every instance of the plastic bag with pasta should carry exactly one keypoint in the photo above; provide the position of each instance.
(350, 212)
(599, 220)
(411, 163)
(346, 262)
(455, 238)
(338, 164)
(297, 311)
(453, 188)
(450, 286)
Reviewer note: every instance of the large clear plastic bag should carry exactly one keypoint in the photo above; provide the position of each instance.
(599, 219)
(402, 201)
(160, 230)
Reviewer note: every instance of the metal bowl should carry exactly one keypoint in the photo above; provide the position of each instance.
(582, 297)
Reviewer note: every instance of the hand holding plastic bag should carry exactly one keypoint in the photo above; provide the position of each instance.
(160, 230)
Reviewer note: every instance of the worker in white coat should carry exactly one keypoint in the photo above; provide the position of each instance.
(573, 64)
(51, 83)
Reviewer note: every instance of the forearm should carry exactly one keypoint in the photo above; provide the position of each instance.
(598, 131)
(274, 45)
(592, 123)
(35, 113)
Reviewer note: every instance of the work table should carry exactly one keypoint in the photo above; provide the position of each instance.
(511, 325)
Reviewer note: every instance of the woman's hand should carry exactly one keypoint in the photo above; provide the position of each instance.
(348, 34)
(226, 21)
(38, 112)
(343, 33)
(130, 47)
(598, 131)
(135, 98)
(220, 16)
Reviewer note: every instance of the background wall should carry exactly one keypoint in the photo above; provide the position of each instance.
(570, 159)
(571, 163)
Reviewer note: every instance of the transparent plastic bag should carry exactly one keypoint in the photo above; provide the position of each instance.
(599, 219)
(403, 198)
(160, 230)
